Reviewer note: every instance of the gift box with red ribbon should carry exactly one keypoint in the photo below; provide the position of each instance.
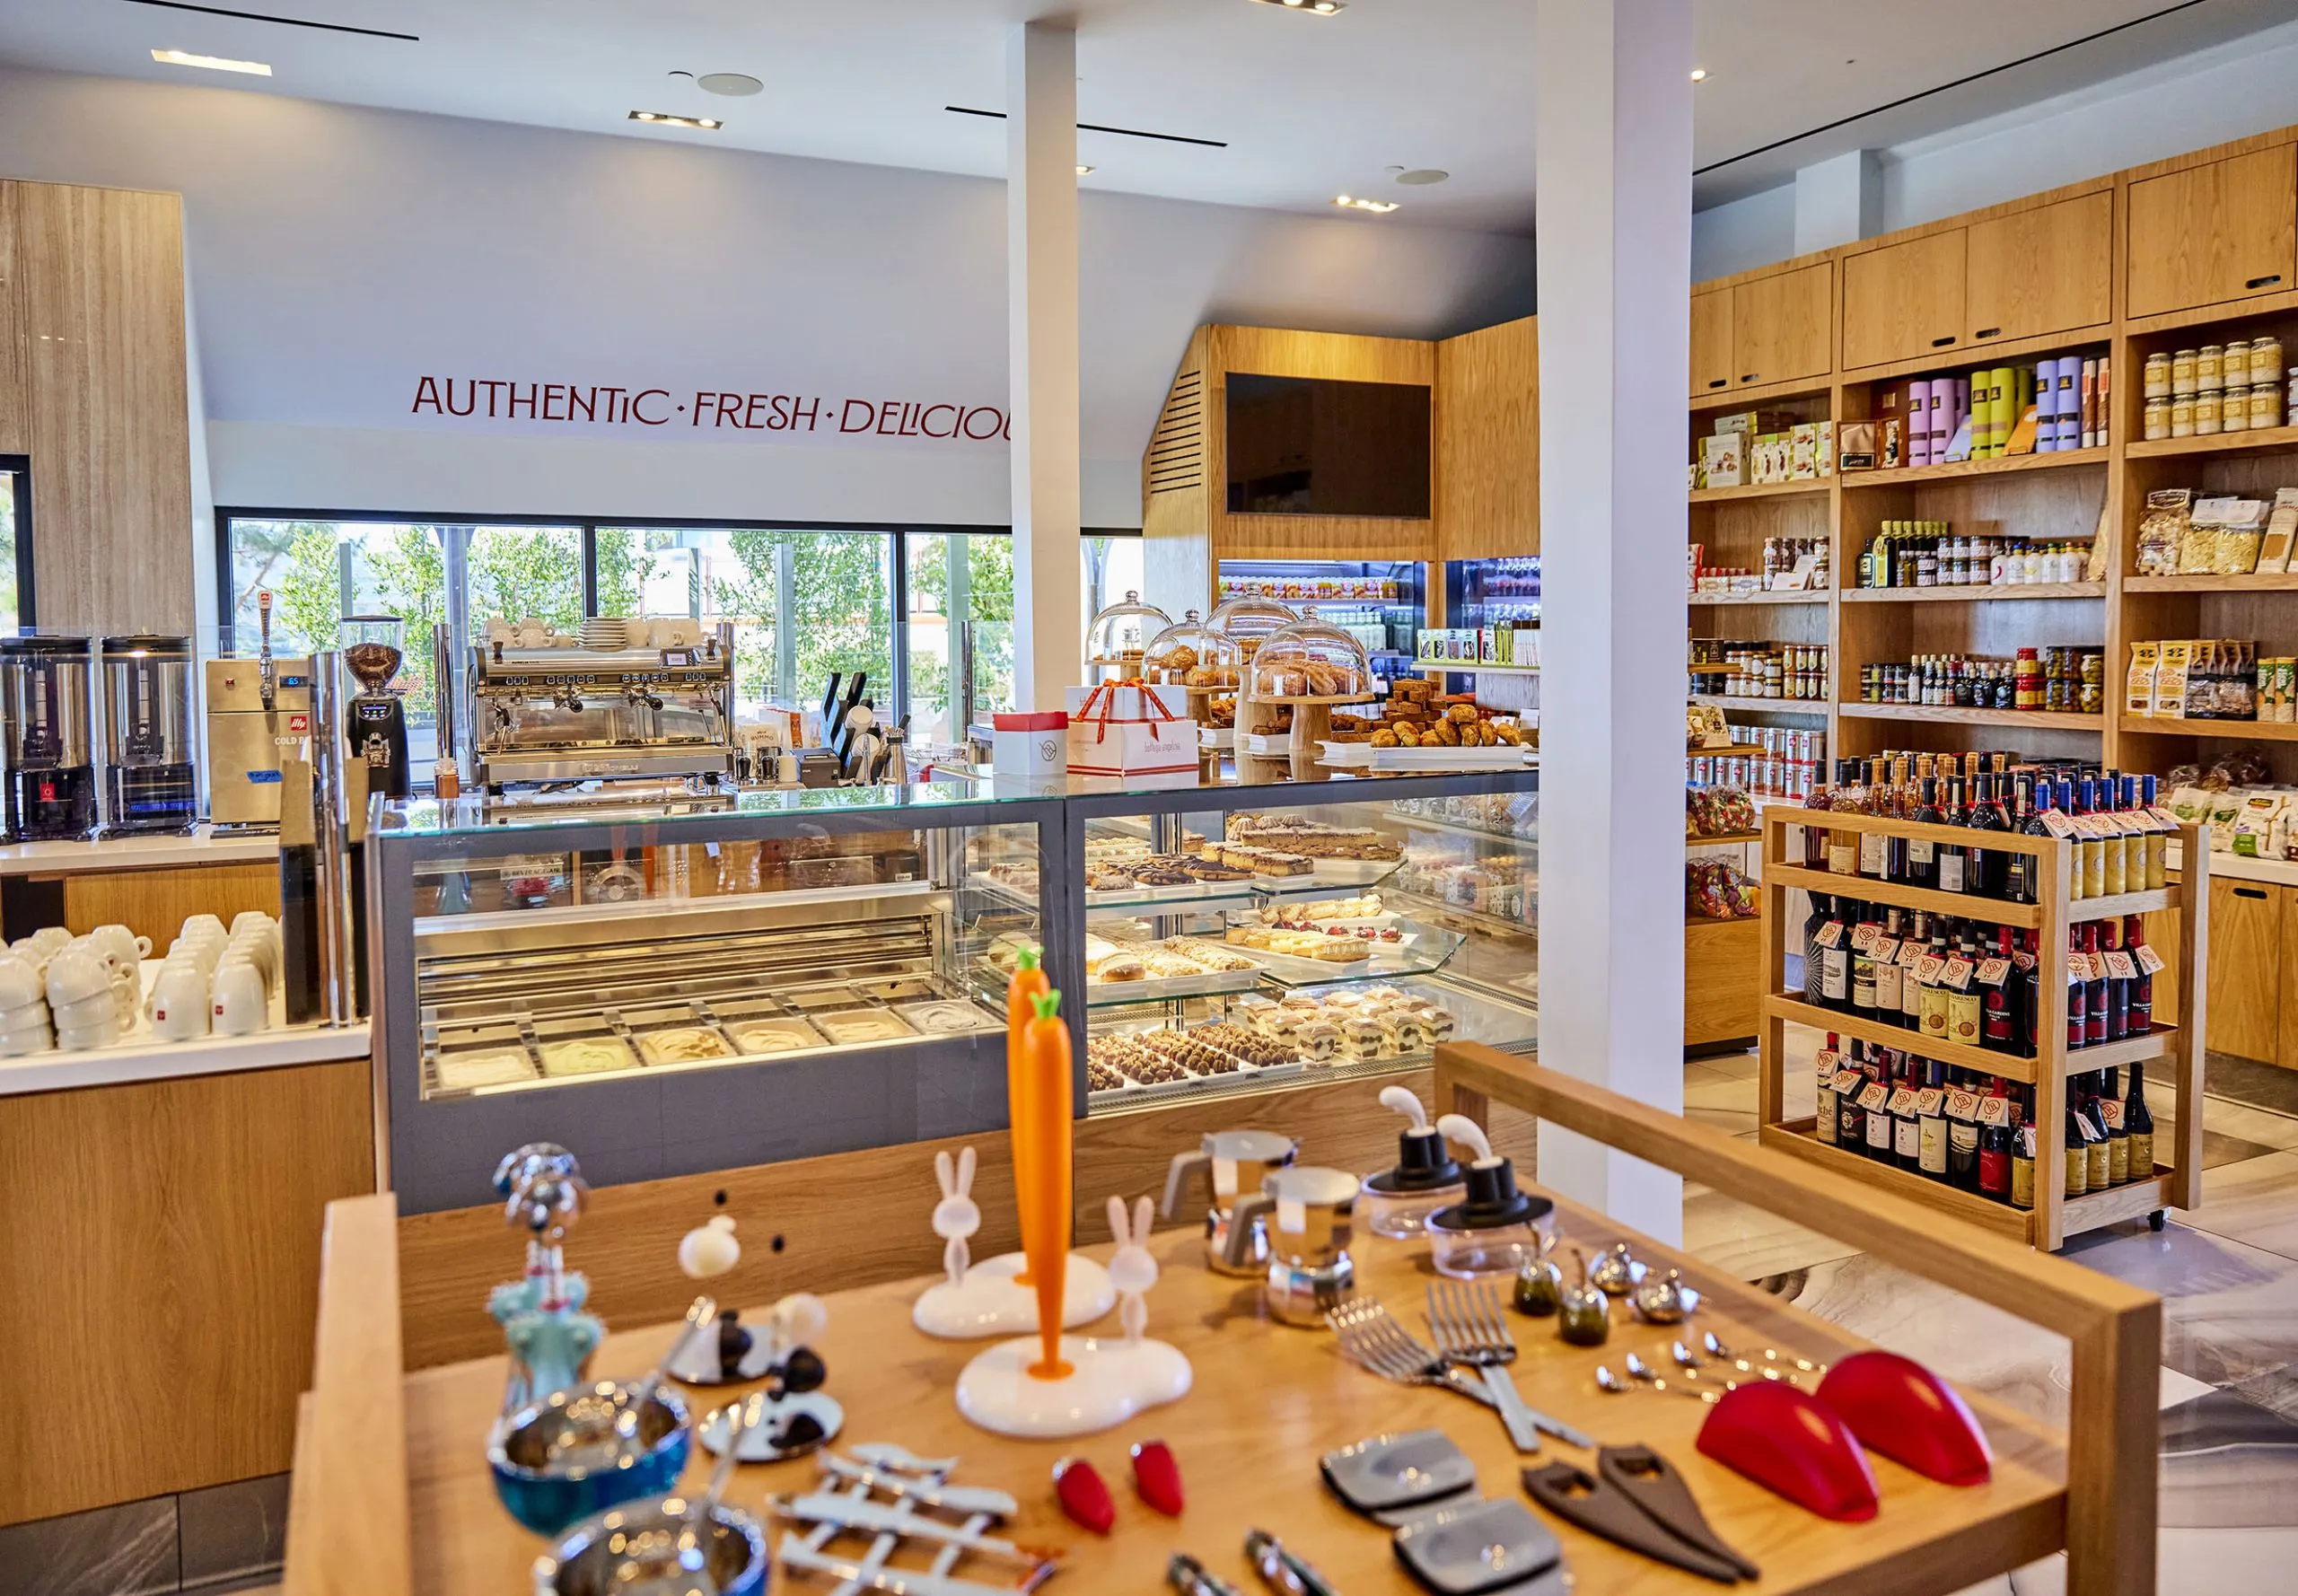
(1130, 729)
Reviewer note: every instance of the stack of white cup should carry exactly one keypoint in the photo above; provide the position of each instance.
(215, 981)
(76, 993)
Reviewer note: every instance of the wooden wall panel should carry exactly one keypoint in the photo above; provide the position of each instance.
(102, 308)
(159, 1275)
(155, 903)
(15, 404)
(872, 1224)
(1488, 442)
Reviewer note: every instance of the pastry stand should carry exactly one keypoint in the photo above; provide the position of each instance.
(1050, 1384)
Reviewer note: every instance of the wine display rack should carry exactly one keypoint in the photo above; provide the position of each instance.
(2174, 1049)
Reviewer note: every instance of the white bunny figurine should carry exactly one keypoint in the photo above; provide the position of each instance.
(957, 1215)
(1132, 1271)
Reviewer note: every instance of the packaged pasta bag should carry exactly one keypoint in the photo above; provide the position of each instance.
(2162, 529)
(2198, 544)
(2241, 534)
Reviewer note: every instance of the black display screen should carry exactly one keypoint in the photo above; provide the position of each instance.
(1315, 446)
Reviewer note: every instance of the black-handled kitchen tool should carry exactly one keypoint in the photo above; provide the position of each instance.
(1657, 1488)
(1582, 1499)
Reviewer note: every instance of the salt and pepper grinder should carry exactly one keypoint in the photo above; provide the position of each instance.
(550, 1337)
(1496, 1228)
(1398, 1201)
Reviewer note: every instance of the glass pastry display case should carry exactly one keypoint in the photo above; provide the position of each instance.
(691, 985)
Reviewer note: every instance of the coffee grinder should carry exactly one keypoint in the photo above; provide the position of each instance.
(150, 783)
(51, 771)
(376, 727)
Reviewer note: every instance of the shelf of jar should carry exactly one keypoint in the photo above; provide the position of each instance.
(1759, 490)
(2040, 720)
(1815, 707)
(2270, 440)
(2008, 464)
(2277, 581)
(2234, 731)
(1817, 595)
(1975, 592)
(1476, 668)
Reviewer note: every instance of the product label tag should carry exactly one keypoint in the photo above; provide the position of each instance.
(1845, 1080)
(2149, 960)
(1958, 973)
(1903, 1103)
(2027, 1141)
(2025, 960)
(1829, 934)
(1911, 955)
(2078, 968)
(1863, 939)
(1873, 1096)
(2058, 822)
(1884, 949)
(2087, 826)
(1826, 1063)
(2163, 818)
(1995, 1110)
(1927, 972)
(2120, 965)
(1928, 1100)
(1992, 972)
(2111, 1113)
(1961, 1104)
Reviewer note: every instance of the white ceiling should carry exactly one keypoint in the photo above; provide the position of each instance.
(1308, 106)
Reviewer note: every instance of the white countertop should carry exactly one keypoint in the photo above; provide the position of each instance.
(136, 853)
(2280, 873)
(143, 1057)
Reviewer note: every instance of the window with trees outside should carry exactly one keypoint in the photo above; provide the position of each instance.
(927, 612)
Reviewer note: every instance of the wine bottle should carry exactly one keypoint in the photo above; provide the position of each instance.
(1843, 845)
(1985, 870)
(1823, 1120)
(2135, 824)
(1880, 1127)
(2078, 996)
(1873, 849)
(2023, 872)
(1814, 954)
(1951, 857)
(2138, 1124)
(1851, 1119)
(1835, 957)
(2142, 985)
(2094, 988)
(2066, 806)
(1994, 1158)
(1966, 1002)
(1918, 938)
(2111, 950)
(1999, 1031)
(1901, 807)
(1862, 964)
(1906, 1119)
(1963, 1147)
(2111, 1117)
(1922, 853)
(2022, 1161)
(2095, 1146)
(2078, 1150)
(1931, 1129)
(1815, 837)
(2113, 849)
(2093, 849)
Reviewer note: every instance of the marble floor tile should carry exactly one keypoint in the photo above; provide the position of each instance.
(128, 1550)
(1731, 1121)
(1738, 1066)
(2247, 1081)
(2255, 1201)
(1705, 1089)
(1748, 1243)
(2229, 1311)
(2228, 1464)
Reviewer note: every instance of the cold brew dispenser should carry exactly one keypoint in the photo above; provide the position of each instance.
(150, 784)
(51, 773)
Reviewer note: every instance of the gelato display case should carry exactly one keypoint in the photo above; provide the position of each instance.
(724, 982)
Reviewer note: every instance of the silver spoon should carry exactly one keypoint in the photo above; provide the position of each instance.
(699, 1312)
(1638, 1369)
(1684, 1357)
(1715, 1346)
(1607, 1380)
(739, 1416)
(1805, 1365)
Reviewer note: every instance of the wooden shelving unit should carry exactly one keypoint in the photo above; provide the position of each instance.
(2175, 1183)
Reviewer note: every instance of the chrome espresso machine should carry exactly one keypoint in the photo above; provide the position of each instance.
(625, 698)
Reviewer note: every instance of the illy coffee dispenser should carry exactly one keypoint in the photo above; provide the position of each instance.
(51, 770)
(375, 727)
(150, 782)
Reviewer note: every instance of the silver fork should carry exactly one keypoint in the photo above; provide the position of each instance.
(1470, 1326)
(1371, 1340)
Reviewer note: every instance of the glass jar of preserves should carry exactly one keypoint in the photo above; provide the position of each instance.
(2210, 368)
(2207, 416)
(2091, 699)
(2182, 417)
(2266, 360)
(2158, 376)
(2234, 364)
(2266, 406)
(2158, 418)
(2234, 410)
(2182, 373)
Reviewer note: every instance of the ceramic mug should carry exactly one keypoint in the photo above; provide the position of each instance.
(76, 975)
(21, 983)
(123, 945)
(181, 1001)
(257, 950)
(16, 1022)
(239, 1005)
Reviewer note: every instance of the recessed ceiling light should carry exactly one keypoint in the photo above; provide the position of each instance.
(1318, 8)
(663, 118)
(1699, 74)
(1084, 171)
(735, 85)
(1423, 176)
(1379, 207)
(213, 63)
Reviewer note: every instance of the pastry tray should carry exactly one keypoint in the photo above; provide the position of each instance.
(1363, 756)
(1209, 984)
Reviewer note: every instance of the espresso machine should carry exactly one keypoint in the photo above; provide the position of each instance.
(150, 784)
(255, 708)
(552, 711)
(51, 769)
(375, 725)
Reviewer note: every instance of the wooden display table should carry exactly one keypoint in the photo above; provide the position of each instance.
(392, 1495)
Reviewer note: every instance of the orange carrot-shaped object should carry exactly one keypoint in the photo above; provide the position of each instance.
(1041, 1136)
(1029, 984)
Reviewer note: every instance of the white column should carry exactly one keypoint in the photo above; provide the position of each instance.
(1613, 99)
(1838, 201)
(1041, 336)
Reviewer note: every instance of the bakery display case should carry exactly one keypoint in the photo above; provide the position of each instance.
(701, 983)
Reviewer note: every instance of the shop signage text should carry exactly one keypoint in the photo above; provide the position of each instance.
(492, 399)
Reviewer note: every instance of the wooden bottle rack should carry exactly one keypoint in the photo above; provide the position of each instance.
(2176, 1183)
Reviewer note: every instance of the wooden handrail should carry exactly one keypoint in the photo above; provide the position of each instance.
(2116, 1329)
(351, 1437)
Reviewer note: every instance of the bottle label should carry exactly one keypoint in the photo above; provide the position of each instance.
(2058, 823)
(1932, 1147)
(1920, 851)
(1962, 1104)
(2148, 958)
(1951, 873)
(2120, 965)
(2163, 819)
(1995, 1110)
(1871, 853)
(1843, 854)
(1963, 1019)
(1829, 934)
(2142, 1153)
(1992, 972)
(2111, 1113)
(1873, 1096)
(1957, 973)
(1906, 1141)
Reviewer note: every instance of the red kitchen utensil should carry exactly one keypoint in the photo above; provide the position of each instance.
(1787, 1441)
(1899, 1407)
(1157, 1477)
(1083, 1496)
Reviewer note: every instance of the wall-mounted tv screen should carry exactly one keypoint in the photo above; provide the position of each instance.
(1310, 446)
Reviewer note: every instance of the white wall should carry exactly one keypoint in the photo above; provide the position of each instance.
(337, 255)
(2211, 97)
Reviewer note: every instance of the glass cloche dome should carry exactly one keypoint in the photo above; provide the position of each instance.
(1189, 654)
(1312, 660)
(1120, 635)
(1247, 621)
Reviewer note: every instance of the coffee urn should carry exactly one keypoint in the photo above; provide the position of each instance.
(51, 770)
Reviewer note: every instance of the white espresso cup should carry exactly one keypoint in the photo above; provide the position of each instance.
(202, 926)
(21, 983)
(239, 1005)
(76, 974)
(124, 945)
(180, 1002)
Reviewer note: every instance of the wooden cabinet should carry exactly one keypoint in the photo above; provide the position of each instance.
(1711, 343)
(2038, 271)
(2225, 230)
(1781, 326)
(1904, 301)
(1488, 399)
(2245, 960)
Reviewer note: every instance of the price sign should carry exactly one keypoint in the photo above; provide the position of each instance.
(1995, 1110)
(1845, 1080)
(1903, 1101)
(2120, 965)
(1927, 1102)
(1961, 1104)
(1992, 972)
(1958, 973)
(1927, 972)
(2149, 959)
(1884, 949)
(2111, 1113)
(1873, 1096)
(2058, 822)
(1829, 934)
(1826, 1064)
(1911, 954)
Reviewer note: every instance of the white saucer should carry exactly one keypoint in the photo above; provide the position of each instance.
(990, 1304)
(1110, 1381)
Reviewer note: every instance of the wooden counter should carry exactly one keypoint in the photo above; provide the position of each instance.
(392, 1495)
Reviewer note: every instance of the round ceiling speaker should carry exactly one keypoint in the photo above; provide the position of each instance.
(737, 85)
(1417, 179)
